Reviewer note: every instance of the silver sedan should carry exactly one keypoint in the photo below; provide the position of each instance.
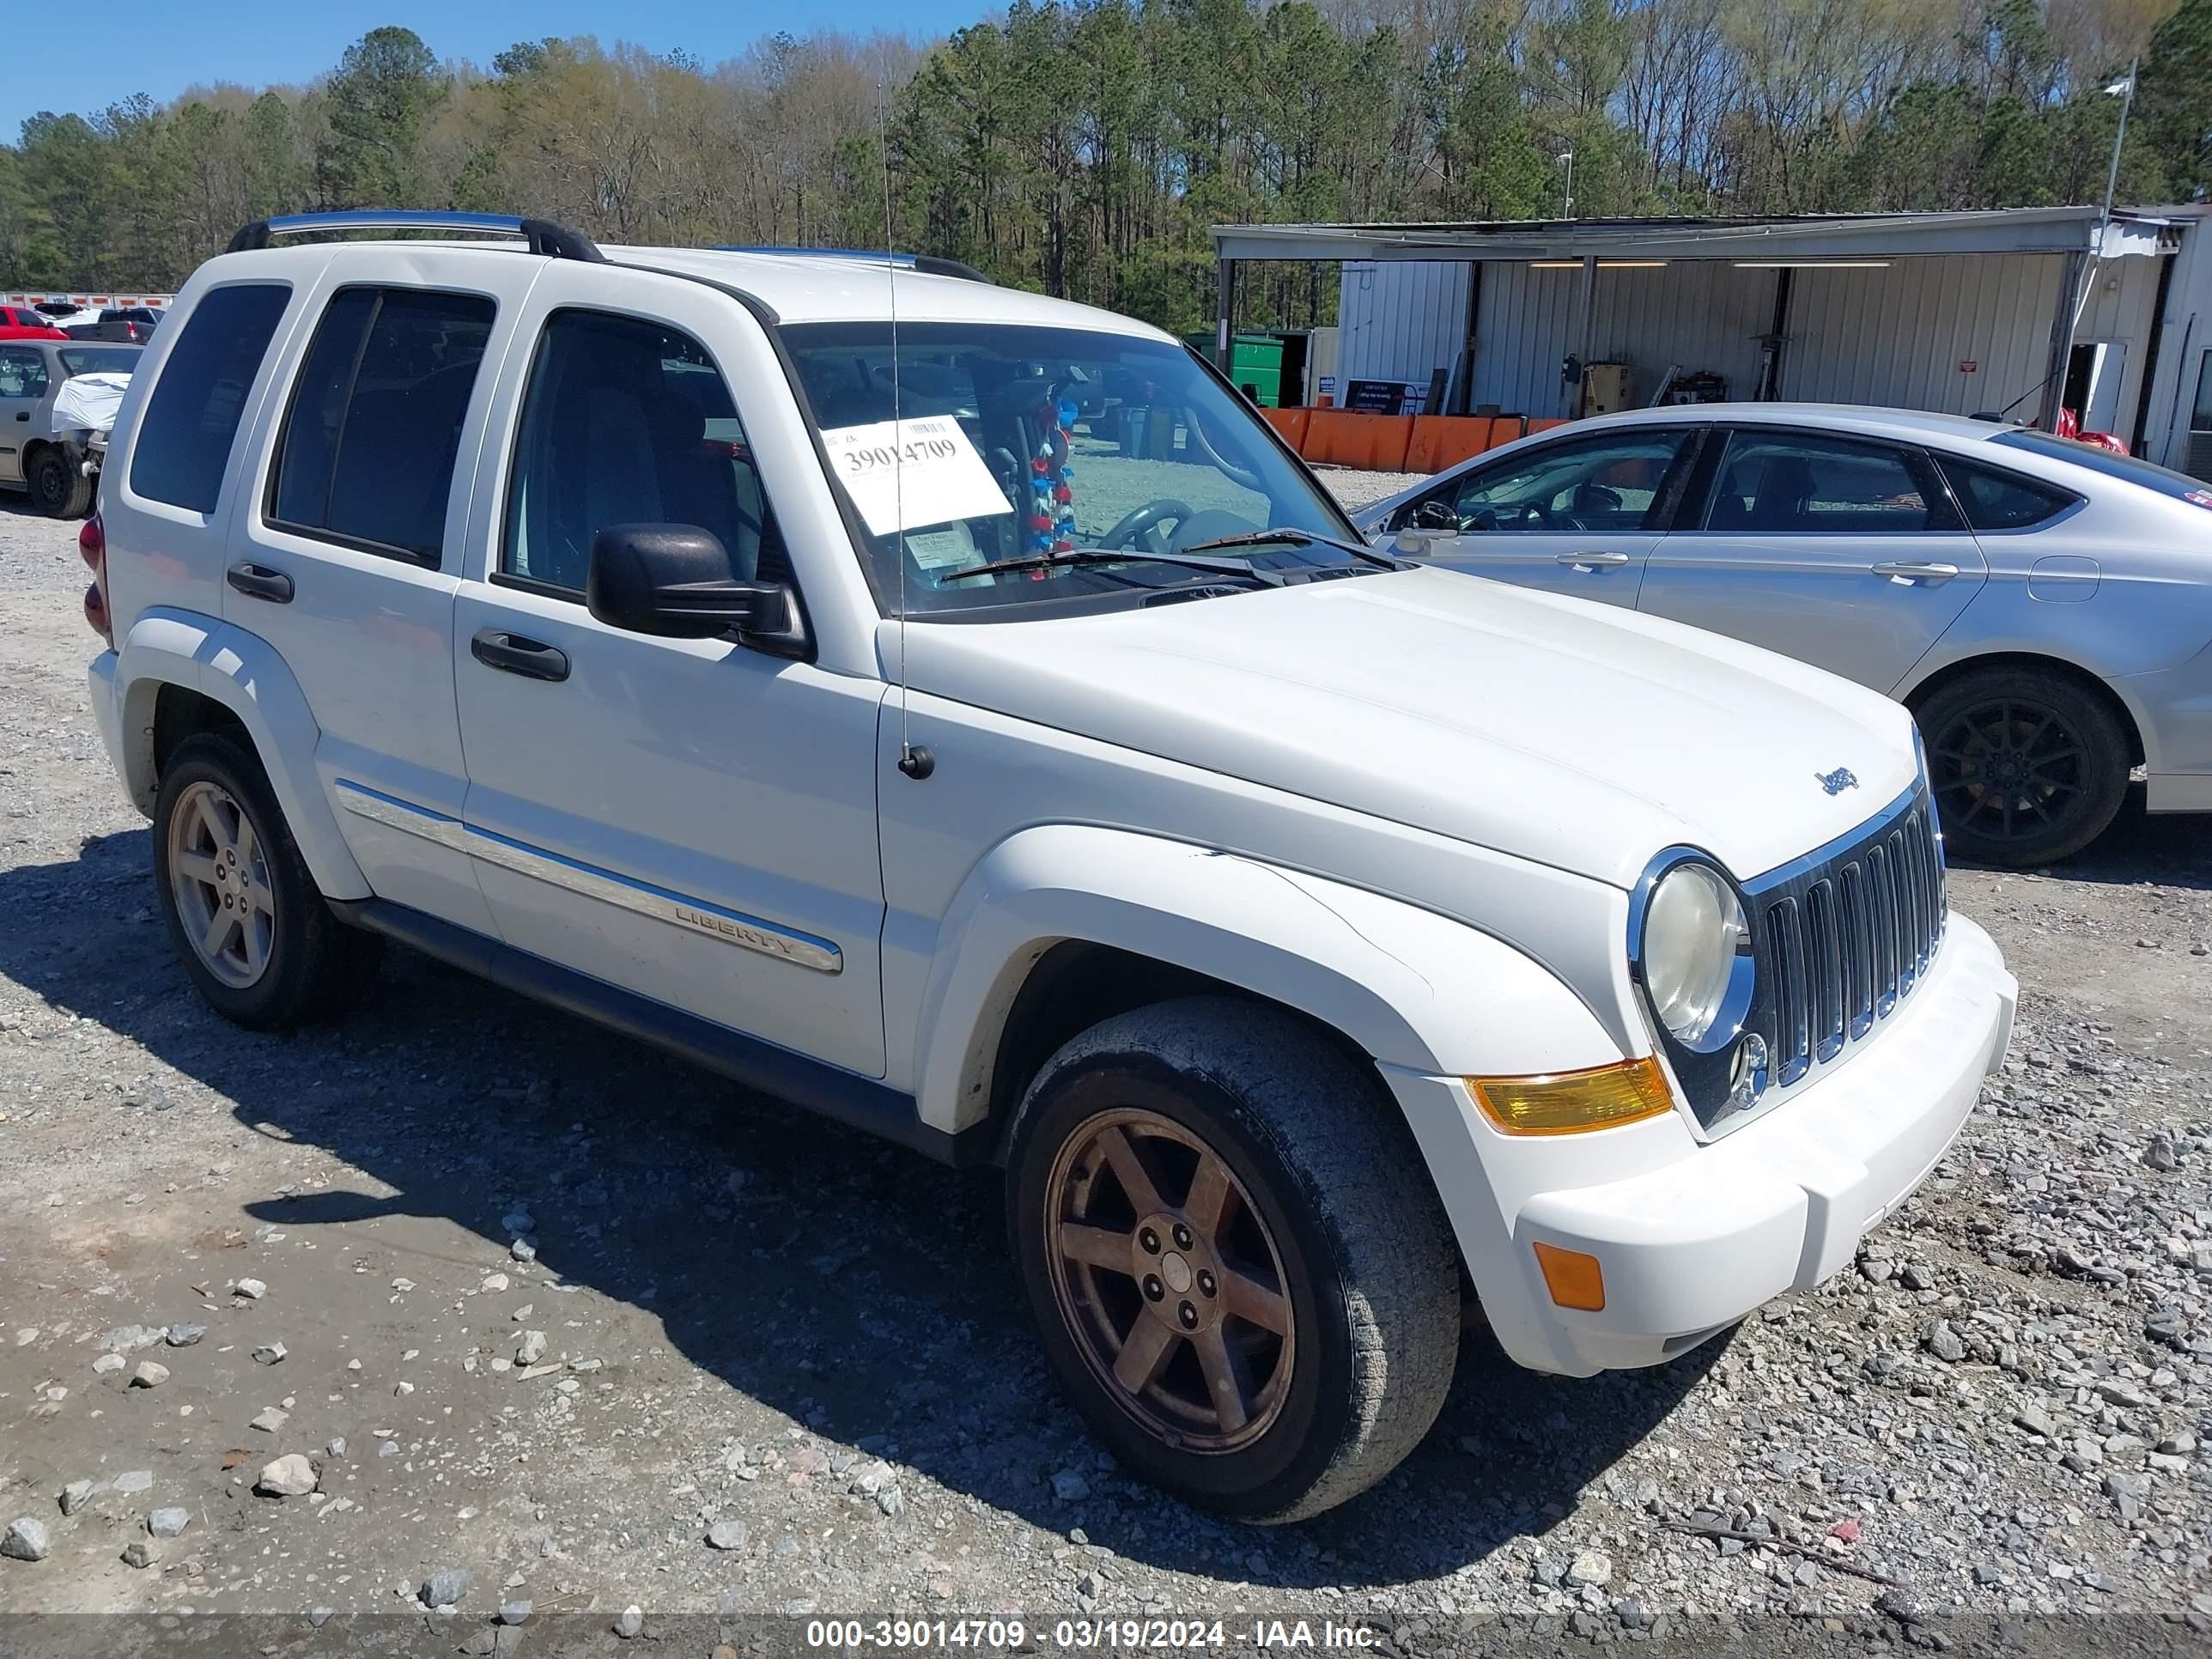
(2045, 608)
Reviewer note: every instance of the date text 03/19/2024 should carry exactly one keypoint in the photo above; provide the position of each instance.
(1079, 1635)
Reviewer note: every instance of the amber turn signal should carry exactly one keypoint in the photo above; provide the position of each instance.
(1568, 1103)
(1574, 1280)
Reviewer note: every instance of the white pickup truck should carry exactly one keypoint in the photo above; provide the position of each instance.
(798, 661)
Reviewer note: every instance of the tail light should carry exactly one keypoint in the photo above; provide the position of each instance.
(92, 547)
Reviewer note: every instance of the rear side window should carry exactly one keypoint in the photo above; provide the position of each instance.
(1796, 484)
(186, 433)
(22, 373)
(368, 451)
(2129, 469)
(1992, 499)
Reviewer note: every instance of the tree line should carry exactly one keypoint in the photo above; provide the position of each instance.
(1083, 147)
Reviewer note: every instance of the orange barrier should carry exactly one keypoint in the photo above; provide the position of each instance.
(1346, 438)
(1536, 427)
(1505, 428)
(1291, 423)
(1443, 441)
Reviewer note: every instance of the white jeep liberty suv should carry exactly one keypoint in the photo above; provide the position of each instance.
(953, 710)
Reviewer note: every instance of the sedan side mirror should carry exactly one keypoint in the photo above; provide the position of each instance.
(675, 580)
(1435, 514)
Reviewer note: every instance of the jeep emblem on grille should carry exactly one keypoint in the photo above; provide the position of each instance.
(1837, 781)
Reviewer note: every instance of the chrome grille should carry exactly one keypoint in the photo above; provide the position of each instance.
(1847, 935)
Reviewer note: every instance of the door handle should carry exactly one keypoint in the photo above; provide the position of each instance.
(511, 654)
(1916, 571)
(1593, 560)
(22, 414)
(258, 581)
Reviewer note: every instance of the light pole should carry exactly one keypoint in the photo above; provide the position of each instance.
(1567, 199)
(2054, 384)
(2124, 90)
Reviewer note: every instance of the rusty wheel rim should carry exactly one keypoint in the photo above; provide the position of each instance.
(1169, 1281)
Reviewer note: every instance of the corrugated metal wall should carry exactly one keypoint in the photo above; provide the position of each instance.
(1897, 337)
(1893, 335)
(1696, 314)
(1400, 319)
(2185, 350)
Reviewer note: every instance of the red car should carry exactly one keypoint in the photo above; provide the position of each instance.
(21, 323)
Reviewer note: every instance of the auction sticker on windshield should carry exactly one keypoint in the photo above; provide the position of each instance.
(904, 474)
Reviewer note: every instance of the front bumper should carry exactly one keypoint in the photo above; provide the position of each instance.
(1692, 1238)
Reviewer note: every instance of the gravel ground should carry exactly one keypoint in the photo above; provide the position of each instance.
(747, 1363)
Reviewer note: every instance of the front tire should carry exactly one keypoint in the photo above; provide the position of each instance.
(2026, 768)
(58, 489)
(1234, 1257)
(242, 909)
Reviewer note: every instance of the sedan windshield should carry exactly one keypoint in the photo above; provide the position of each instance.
(1025, 445)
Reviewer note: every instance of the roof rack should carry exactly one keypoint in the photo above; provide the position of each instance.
(541, 236)
(928, 264)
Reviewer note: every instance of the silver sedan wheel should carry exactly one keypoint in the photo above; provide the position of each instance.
(221, 883)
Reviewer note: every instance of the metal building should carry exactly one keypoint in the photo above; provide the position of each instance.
(2025, 311)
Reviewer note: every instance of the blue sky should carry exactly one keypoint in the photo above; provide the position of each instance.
(165, 49)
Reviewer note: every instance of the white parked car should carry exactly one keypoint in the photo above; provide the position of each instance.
(2043, 607)
(58, 399)
(1053, 779)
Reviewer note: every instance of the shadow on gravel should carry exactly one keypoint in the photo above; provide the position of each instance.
(858, 1288)
(2174, 849)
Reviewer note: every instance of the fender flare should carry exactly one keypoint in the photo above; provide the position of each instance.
(230, 666)
(1412, 989)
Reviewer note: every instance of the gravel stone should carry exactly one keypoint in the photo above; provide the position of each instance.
(727, 1535)
(630, 1622)
(289, 1476)
(168, 1523)
(1593, 1568)
(1069, 1486)
(132, 1480)
(74, 1496)
(269, 1353)
(531, 1349)
(183, 1336)
(252, 1289)
(150, 1374)
(445, 1587)
(26, 1539)
(139, 1553)
(271, 1420)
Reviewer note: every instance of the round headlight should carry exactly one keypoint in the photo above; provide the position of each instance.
(1697, 953)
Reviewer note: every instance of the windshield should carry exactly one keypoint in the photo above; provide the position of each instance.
(1024, 442)
(100, 360)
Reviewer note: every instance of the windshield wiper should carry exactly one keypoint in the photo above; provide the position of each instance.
(1296, 538)
(1082, 555)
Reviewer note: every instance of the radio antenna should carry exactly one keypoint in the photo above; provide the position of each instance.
(916, 763)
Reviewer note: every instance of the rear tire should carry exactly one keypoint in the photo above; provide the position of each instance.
(58, 489)
(2027, 766)
(1286, 1294)
(243, 911)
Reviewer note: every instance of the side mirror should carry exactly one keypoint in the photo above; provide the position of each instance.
(1435, 514)
(674, 581)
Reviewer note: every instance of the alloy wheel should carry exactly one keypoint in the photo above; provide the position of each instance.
(1171, 1283)
(220, 879)
(2007, 769)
